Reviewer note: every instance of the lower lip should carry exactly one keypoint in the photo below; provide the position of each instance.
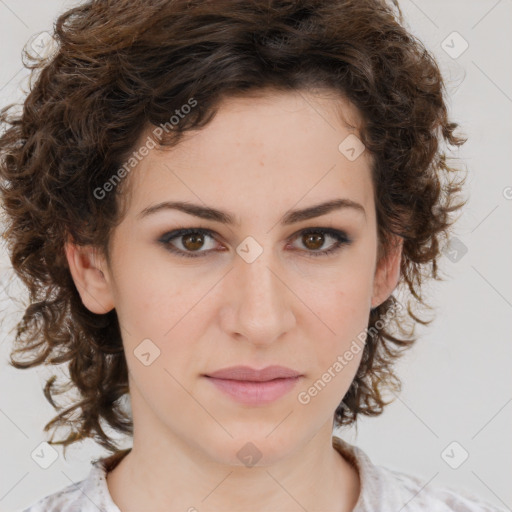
(255, 393)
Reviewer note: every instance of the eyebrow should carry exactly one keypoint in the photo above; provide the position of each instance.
(290, 217)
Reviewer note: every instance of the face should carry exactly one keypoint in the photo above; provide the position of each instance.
(271, 287)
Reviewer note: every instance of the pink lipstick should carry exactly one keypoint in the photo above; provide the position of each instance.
(255, 387)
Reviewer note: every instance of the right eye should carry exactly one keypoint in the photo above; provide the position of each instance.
(190, 240)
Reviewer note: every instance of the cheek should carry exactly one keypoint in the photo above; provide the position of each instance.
(151, 294)
(167, 307)
(341, 297)
(341, 310)
(337, 354)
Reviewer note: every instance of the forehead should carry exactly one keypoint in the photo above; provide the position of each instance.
(270, 150)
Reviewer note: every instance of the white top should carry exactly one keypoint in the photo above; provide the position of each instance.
(382, 490)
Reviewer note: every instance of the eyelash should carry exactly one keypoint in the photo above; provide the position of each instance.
(340, 237)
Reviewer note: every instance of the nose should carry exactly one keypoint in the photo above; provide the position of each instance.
(259, 306)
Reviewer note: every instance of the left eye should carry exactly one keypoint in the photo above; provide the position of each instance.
(193, 239)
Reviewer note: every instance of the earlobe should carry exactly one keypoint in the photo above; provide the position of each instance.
(387, 273)
(90, 276)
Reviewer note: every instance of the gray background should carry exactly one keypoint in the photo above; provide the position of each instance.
(457, 377)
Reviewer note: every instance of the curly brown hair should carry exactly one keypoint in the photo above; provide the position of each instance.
(121, 67)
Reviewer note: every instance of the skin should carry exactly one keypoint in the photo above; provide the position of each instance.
(258, 158)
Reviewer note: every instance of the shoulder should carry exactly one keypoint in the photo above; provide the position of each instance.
(88, 495)
(422, 494)
(384, 488)
(68, 499)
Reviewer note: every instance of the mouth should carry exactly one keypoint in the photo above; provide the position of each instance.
(255, 387)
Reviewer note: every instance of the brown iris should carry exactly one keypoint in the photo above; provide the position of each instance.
(193, 241)
(313, 240)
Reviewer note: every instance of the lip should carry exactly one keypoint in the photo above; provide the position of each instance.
(247, 373)
(255, 387)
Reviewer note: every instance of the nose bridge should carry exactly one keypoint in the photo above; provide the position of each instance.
(263, 312)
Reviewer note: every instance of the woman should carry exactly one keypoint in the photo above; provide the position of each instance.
(211, 204)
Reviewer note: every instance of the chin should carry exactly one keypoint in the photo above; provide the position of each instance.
(250, 450)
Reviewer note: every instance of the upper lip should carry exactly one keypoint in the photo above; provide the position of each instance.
(250, 374)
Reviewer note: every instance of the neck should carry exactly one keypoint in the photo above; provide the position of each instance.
(175, 476)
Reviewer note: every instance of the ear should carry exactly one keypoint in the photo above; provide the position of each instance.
(89, 271)
(387, 273)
